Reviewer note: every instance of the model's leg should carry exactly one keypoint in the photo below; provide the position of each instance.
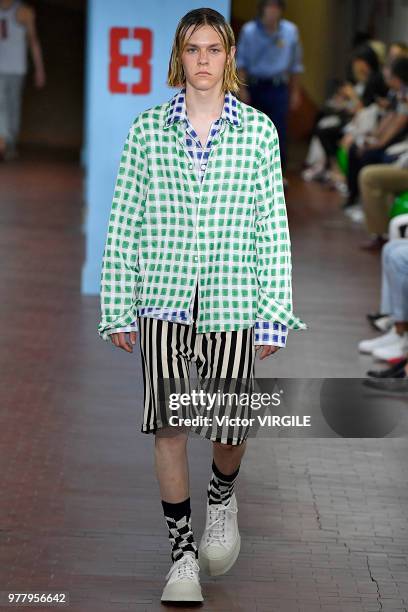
(165, 351)
(227, 357)
(225, 468)
(171, 465)
(163, 347)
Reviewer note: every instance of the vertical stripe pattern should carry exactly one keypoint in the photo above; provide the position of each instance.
(224, 361)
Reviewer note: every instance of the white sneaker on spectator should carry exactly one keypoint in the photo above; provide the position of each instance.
(183, 583)
(341, 187)
(220, 544)
(316, 171)
(388, 339)
(355, 213)
(397, 350)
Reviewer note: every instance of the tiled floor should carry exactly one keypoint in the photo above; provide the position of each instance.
(323, 521)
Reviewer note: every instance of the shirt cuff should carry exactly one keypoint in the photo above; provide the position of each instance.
(270, 332)
(129, 328)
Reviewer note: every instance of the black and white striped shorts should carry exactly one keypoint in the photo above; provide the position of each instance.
(224, 362)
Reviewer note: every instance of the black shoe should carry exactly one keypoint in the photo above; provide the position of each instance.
(374, 244)
(396, 371)
(398, 385)
(380, 322)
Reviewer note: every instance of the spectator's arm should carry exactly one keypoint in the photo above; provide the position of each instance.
(297, 66)
(397, 125)
(295, 70)
(384, 124)
(27, 18)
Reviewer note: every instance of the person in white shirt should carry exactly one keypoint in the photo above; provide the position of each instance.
(17, 28)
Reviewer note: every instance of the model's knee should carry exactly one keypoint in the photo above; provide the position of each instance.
(227, 448)
(169, 441)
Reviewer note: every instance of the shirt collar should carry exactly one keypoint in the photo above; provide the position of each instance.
(177, 108)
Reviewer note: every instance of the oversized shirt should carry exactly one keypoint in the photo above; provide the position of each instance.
(169, 230)
(266, 332)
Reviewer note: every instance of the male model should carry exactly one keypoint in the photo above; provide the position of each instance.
(197, 259)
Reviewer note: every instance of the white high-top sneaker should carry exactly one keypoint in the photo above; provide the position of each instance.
(368, 346)
(220, 544)
(397, 350)
(183, 583)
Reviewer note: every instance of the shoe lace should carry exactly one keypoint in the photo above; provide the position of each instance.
(216, 528)
(185, 567)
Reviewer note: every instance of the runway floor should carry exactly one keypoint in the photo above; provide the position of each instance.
(323, 520)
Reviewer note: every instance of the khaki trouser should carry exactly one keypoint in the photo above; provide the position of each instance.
(379, 186)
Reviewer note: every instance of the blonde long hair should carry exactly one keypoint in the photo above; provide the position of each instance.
(197, 18)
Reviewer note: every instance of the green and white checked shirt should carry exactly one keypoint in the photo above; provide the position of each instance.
(167, 229)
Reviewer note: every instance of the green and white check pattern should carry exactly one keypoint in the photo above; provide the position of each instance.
(238, 243)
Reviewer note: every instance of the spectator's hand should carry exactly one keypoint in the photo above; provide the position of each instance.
(370, 143)
(39, 79)
(347, 141)
(295, 100)
(348, 91)
(119, 340)
(371, 146)
(267, 350)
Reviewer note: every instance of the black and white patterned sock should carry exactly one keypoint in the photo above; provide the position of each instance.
(178, 518)
(221, 486)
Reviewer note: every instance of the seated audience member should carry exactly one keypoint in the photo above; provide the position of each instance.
(393, 345)
(395, 50)
(346, 104)
(392, 128)
(379, 185)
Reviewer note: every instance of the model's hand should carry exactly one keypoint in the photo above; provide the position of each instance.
(267, 350)
(120, 341)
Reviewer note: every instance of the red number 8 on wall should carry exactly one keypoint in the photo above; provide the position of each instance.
(119, 60)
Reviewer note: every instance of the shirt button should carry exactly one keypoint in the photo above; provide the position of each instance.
(195, 259)
(202, 166)
(190, 166)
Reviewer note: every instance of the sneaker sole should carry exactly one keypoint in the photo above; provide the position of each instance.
(183, 592)
(217, 567)
(389, 359)
(365, 351)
